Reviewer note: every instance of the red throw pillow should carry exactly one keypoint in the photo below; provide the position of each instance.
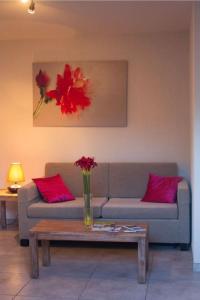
(161, 189)
(53, 189)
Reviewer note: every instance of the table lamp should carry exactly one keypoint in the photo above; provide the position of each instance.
(15, 176)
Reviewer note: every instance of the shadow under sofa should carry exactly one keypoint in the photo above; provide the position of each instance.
(117, 189)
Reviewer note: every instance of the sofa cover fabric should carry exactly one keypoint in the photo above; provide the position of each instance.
(120, 208)
(70, 209)
(130, 179)
(72, 177)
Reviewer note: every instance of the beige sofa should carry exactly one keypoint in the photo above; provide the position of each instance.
(117, 189)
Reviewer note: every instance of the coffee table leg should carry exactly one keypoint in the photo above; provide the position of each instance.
(147, 254)
(3, 214)
(33, 243)
(142, 260)
(46, 259)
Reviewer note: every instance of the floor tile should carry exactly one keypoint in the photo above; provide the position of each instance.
(5, 297)
(116, 255)
(61, 266)
(11, 283)
(112, 280)
(113, 288)
(27, 298)
(169, 263)
(115, 270)
(40, 298)
(173, 290)
(14, 264)
(6, 234)
(11, 247)
(178, 270)
(74, 253)
(172, 256)
(57, 285)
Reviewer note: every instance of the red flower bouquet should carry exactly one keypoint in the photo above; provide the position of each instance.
(86, 164)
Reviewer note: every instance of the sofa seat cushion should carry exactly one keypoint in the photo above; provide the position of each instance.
(134, 208)
(64, 210)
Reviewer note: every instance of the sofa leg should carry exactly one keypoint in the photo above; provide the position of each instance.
(24, 242)
(184, 247)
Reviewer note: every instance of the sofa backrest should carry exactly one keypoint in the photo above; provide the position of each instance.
(130, 179)
(124, 180)
(73, 178)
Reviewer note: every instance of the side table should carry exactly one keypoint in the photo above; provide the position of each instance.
(5, 196)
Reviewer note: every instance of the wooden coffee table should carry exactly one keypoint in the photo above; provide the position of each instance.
(66, 230)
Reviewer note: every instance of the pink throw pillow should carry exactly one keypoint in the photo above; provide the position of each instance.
(53, 189)
(161, 189)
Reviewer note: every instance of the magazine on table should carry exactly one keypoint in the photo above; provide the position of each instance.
(112, 227)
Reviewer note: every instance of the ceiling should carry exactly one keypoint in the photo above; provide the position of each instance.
(61, 19)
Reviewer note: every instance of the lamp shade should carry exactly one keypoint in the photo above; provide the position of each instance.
(15, 173)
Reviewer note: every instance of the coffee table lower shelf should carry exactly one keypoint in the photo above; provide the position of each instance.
(48, 230)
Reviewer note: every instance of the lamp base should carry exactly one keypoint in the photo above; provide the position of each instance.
(14, 188)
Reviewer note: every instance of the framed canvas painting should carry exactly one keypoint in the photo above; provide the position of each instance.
(80, 94)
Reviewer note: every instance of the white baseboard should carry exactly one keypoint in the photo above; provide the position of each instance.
(196, 267)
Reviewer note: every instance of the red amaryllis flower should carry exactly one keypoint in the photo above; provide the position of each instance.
(70, 92)
(42, 79)
(86, 163)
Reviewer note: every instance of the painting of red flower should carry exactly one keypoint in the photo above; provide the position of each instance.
(80, 93)
(71, 91)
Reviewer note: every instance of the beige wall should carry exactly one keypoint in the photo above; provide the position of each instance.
(158, 103)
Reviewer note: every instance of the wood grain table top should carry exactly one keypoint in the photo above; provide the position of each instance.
(7, 196)
(77, 231)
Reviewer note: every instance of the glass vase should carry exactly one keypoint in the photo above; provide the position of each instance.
(87, 212)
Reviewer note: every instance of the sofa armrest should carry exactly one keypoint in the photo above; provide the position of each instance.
(183, 201)
(183, 194)
(28, 194)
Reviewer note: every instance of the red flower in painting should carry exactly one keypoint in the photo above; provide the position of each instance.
(70, 92)
(42, 79)
(86, 163)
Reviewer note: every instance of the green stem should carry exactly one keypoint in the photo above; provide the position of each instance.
(86, 182)
(38, 108)
(87, 200)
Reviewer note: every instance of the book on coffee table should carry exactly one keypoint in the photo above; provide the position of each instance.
(112, 227)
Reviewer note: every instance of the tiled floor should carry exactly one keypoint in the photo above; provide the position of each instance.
(92, 273)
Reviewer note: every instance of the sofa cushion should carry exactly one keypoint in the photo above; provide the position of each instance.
(134, 208)
(130, 179)
(162, 189)
(69, 210)
(53, 189)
